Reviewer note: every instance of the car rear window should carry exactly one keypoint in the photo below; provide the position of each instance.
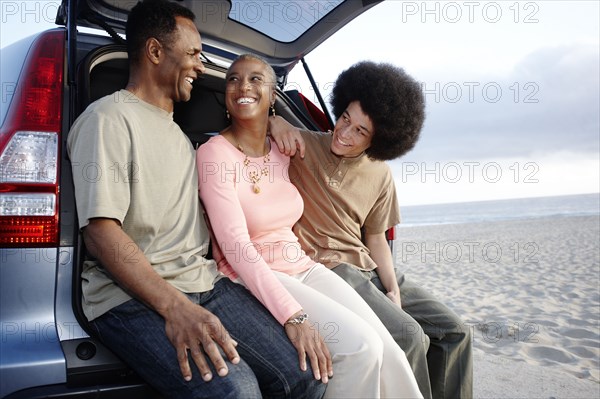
(281, 20)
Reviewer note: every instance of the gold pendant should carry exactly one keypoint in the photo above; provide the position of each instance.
(256, 189)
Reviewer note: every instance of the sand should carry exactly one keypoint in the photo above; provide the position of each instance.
(530, 292)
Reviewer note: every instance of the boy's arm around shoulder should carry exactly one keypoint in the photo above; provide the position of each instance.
(288, 138)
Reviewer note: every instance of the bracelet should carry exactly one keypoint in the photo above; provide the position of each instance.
(298, 319)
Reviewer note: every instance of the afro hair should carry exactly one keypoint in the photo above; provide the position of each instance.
(391, 98)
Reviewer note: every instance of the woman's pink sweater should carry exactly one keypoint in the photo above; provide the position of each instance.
(253, 231)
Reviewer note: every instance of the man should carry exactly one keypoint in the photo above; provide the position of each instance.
(350, 202)
(149, 292)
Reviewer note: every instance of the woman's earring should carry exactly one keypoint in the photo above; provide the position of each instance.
(227, 114)
(273, 109)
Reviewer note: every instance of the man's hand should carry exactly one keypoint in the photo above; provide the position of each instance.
(195, 329)
(287, 137)
(308, 342)
(188, 326)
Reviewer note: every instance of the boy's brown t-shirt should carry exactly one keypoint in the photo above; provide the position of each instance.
(341, 196)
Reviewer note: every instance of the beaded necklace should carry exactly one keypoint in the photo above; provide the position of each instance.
(254, 176)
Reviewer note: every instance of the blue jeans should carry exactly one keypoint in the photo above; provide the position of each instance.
(269, 366)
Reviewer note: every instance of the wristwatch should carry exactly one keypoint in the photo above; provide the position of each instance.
(301, 318)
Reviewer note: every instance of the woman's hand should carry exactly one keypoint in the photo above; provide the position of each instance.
(308, 342)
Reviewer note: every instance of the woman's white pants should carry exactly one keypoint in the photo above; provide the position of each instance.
(367, 362)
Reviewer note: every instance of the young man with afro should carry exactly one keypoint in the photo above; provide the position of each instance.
(349, 204)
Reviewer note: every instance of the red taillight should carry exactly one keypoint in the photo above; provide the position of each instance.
(390, 234)
(30, 148)
(24, 231)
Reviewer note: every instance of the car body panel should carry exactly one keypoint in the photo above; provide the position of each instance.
(12, 55)
(30, 342)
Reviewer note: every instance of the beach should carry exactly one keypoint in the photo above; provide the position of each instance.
(528, 289)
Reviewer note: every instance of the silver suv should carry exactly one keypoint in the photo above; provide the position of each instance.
(45, 348)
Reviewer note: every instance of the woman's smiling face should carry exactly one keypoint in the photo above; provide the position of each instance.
(250, 89)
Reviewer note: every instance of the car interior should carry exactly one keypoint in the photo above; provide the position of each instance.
(103, 72)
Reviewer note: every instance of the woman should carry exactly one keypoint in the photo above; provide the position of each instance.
(252, 206)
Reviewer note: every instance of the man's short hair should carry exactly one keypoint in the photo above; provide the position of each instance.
(152, 18)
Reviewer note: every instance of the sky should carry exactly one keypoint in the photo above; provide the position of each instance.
(512, 90)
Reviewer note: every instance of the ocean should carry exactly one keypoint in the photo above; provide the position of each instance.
(510, 209)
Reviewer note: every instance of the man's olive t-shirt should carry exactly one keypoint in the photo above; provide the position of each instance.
(132, 163)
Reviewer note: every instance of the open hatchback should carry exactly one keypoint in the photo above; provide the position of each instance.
(46, 349)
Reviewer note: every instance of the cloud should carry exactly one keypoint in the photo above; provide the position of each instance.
(549, 102)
